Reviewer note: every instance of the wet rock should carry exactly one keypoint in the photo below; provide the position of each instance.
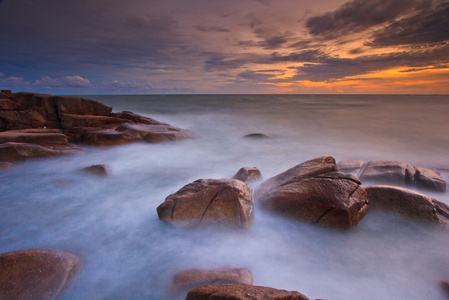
(189, 279)
(388, 172)
(106, 137)
(155, 133)
(257, 136)
(242, 292)
(428, 179)
(98, 170)
(248, 174)
(226, 202)
(353, 167)
(43, 137)
(70, 121)
(408, 202)
(16, 151)
(36, 273)
(315, 192)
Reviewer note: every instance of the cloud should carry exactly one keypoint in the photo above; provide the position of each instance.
(11, 82)
(130, 85)
(259, 76)
(211, 29)
(359, 15)
(423, 28)
(64, 82)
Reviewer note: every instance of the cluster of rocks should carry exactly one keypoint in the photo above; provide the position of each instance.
(38, 125)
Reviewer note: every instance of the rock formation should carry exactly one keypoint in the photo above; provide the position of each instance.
(248, 174)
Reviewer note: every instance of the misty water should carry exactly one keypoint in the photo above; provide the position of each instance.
(129, 254)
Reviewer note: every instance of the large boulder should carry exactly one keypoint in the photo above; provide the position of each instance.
(248, 174)
(70, 121)
(16, 151)
(242, 292)
(226, 202)
(426, 178)
(155, 133)
(43, 137)
(189, 279)
(104, 137)
(12, 119)
(36, 273)
(315, 192)
(408, 202)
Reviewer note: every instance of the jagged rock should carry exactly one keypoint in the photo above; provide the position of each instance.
(6, 104)
(242, 292)
(98, 170)
(257, 136)
(36, 273)
(226, 202)
(408, 202)
(315, 192)
(16, 151)
(248, 174)
(428, 179)
(189, 279)
(156, 133)
(353, 167)
(69, 121)
(11, 119)
(43, 137)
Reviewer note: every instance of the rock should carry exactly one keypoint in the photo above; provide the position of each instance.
(315, 192)
(70, 121)
(248, 174)
(226, 202)
(187, 280)
(81, 106)
(445, 287)
(98, 170)
(43, 137)
(242, 292)
(17, 151)
(11, 119)
(106, 137)
(5, 165)
(257, 136)
(156, 133)
(388, 172)
(428, 179)
(353, 167)
(6, 104)
(127, 115)
(408, 202)
(36, 273)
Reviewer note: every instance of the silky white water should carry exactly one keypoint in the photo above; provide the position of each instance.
(129, 254)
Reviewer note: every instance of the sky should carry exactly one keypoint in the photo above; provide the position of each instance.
(225, 46)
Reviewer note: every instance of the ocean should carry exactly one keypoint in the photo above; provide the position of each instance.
(129, 254)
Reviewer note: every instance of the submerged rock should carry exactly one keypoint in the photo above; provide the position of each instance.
(189, 279)
(242, 292)
(408, 202)
(98, 170)
(226, 202)
(315, 192)
(257, 136)
(428, 179)
(36, 273)
(248, 174)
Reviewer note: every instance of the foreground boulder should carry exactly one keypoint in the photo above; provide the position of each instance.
(36, 273)
(226, 202)
(189, 279)
(394, 173)
(242, 292)
(18, 151)
(409, 203)
(315, 192)
(248, 174)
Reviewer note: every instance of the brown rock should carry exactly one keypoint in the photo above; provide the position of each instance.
(5, 165)
(408, 202)
(353, 167)
(70, 121)
(155, 133)
(226, 202)
(17, 151)
(315, 192)
(241, 292)
(127, 115)
(10, 119)
(98, 170)
(428, 179)
(187, 280)
(106, 137)
(6, 104)
(43, 137)
(36, 273)
(248, 174)
(81, 106)
(388, 172)
(256, 136)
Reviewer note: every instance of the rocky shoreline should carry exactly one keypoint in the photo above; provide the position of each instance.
(319, 192)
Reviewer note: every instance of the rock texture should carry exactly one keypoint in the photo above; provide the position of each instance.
(226, 202)
(18, 151)
(315, 192)
(248, 174)
(98, 170)
(189, 279)
(408, 202)
(56, 121)
(256, 136)
(394, 173)
(242, 292)
(36, 273)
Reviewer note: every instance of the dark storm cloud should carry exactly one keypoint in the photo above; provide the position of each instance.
(431, 26)
(259, 76)
(218, 62)
(359, 15)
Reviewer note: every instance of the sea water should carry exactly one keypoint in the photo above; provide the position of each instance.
(129, 254)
